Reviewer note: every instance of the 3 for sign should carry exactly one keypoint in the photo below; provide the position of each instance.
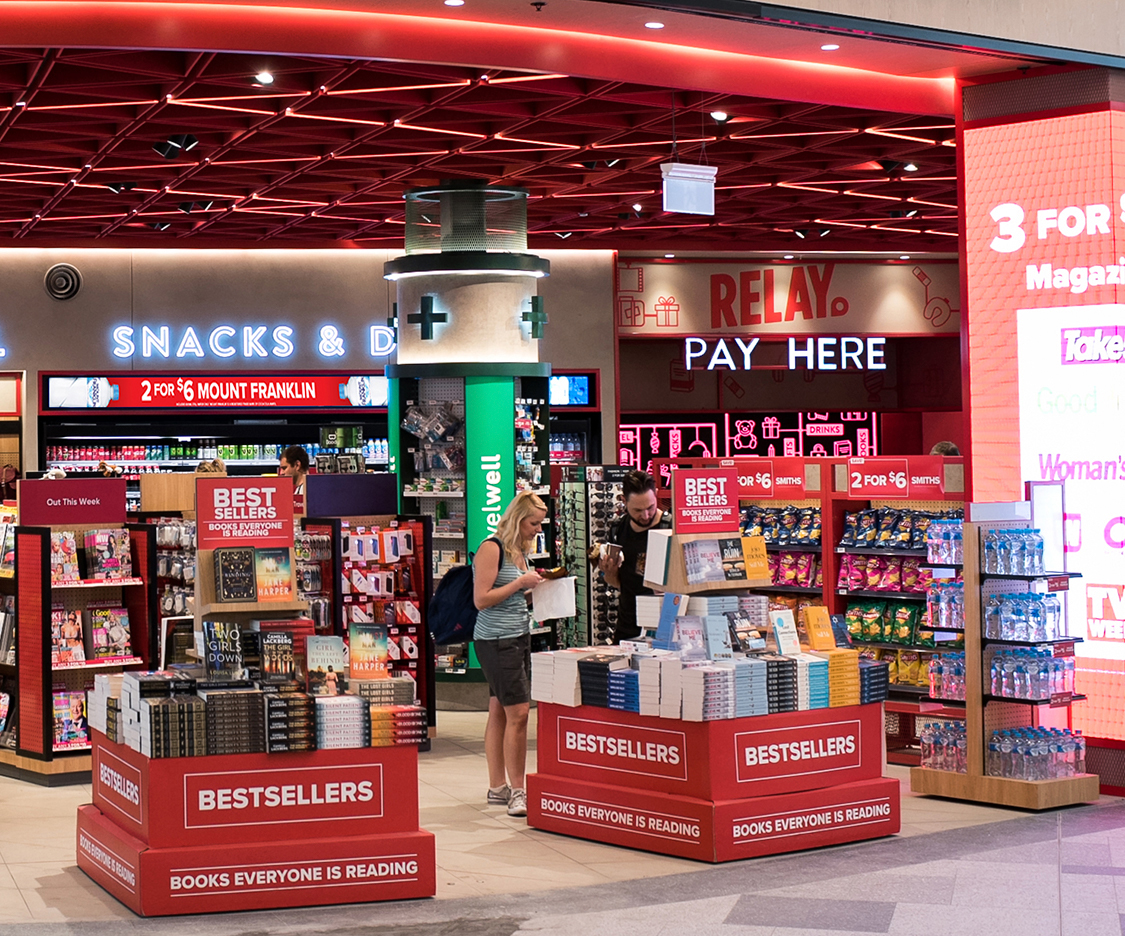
(1069, 221)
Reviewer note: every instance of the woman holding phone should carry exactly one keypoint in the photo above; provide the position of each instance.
(502, 582)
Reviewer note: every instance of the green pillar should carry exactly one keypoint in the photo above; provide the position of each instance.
(490, 461)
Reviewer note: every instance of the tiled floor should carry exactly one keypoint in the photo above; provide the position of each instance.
(956, 869)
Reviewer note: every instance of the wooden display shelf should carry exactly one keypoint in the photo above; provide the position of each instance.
(1001, 791)
(62, 770)
(206, 605)
(261, 607)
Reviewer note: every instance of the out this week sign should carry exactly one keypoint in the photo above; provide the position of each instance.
(705, 500)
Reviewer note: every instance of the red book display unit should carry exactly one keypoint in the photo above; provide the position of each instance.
(714, 791)
(255, 831)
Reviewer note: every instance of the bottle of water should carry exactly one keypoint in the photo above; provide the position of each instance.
(1068, 675)
(957, 542)
(1003, 550)
(990, 540)
(992, 617)
(1008, 682)
(958, 609)
(992, 764)
(1037, 566)
(935, 676)
(1007, 628)
(997, 675)
(1032, 667)
(1019, 619)
(1007, 752)
(926, 743)
(962, 748)
(1036, 619)
(1079, 753)
(1052, 609)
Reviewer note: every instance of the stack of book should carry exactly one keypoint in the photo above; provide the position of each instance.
(624, 690)
(290, 722)
(566, 686)
(751, 691)
(812, 682)
(397, 724)
(173, 726)
(843, 676)
(756, 608)
(708, 693)
(703, 605)
(342, 721)
(396, 690)
(648, 681)
(103, 705)
(234, 720)
(543, 676)
(593, 676)
(648, 612)
(134, 688)
(671, 687)
(781, 682)
(874, 681)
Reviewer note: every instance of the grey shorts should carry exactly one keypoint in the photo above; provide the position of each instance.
(506, 664)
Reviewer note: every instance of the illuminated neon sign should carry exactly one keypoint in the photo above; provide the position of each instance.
(824, 354)
(248, 342)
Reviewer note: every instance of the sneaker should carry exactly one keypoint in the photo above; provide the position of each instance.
(517, 803)
(499, 797)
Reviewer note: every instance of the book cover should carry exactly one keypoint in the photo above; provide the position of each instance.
(671, 607)
(5, 709)
(657, 557)
(273, 574)
(734, 563)
(367, 651)
(234, 574)
(716, 636)
(64, 558)
(278, 663)
(818, 629)
(703, 562)
(109, 632)
(222, 643)
(327, 663)
(689, 637)
(7, 549)
(67, 645)
(785, 632)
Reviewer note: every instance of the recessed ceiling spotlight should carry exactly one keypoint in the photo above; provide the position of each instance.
(654, 25)
(787, 257)
(669, 256)
(801, 233)
(264, 78)
(905, 257)
(454, 2)
(583, 214)
(21, 103)
(159, 225)
(910, 167)
(912, 212)
(830, 47)
(637, 206)
(720, 116)
(824, 232)
(118, 187)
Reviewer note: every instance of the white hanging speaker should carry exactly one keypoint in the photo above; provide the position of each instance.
(689, 189)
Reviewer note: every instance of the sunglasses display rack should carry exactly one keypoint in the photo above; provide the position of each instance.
(570, 546)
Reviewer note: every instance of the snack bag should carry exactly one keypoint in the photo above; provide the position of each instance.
(802, 532)
(788, 518)
(843, 580)
(818, 576)
(851, 527)
(922, 521)
(753, 523)
(771, 527)
(891, 579)
(814, 530)
(873, 621)
(806, 572)
(910, 571)
(787, 569)
(891, 659)
(867, 527)
(888, 521)
(909, 666)
(904, 618)
(889, 624)
(772, 563)
(904, 532)
(876, 566)
(853, 620)
(870, 653)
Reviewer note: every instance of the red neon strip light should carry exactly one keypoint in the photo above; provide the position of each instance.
(922, 201)
(464, 133)
(804, 133)
(519, 78)
(942, 233)
(601, 146)
(901, 136)
(417, 87)
(806, 188)
(221, 107)
(289, 112)
(508, 139)
(869, 195)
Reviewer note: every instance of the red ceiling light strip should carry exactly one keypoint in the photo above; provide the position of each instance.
(803, 133)
(900, 136)
(464, 133)
(684, 142)
(871, 195)
(935, 204)
(806, 188)
(522, 78)
(511, 139)
(340, 92)
(289, 112)
(223, 107)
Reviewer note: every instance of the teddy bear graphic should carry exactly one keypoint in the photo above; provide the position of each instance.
(745, 438)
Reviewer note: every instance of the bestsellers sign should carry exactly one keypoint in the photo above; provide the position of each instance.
(345, 792)
(705, 500)
(604, 745)
(244, 512)
(793, 752)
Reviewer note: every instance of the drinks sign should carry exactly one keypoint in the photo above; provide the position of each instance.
(244, 512)
(705, 500)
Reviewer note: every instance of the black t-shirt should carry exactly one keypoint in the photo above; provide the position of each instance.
(634, 551)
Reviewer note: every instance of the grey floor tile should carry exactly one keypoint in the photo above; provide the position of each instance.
(852, 916)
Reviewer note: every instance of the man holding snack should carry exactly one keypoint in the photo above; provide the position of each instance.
(623, 562)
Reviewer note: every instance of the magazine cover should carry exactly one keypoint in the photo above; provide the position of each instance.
(109, 632)
(67, 645)
(273, 574)
(327, 665)
(367, 651)
(71, 727)
(64, 558)
(107, 554)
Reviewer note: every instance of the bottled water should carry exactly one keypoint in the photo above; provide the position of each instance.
(935, 676)
(1003, 550)
(1017, 554)
(1036, 619)
(992, 764)
(1036, 540)
(926, 742)
(990, 560)
(992, 618)
(1052, 608)
(957, 542)
(1080, 753)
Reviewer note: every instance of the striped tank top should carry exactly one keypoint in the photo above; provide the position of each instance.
(509, 618)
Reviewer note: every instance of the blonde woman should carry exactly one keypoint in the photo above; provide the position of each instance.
(502, 580)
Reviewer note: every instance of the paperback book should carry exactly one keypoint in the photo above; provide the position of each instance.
(703, 562)
(367, 651)
(327, 665)
(222, 642)
(273, 574)
(278, 663)
(234, 574)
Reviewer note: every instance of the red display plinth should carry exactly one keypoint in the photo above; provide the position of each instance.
(713, 791)
(259, 876)
(726, 830)
(717, 760)
(239, 798)
(253, 831)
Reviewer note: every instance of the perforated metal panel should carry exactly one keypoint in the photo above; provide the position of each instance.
(1043, 93)
(1109, 764)
(466, 216)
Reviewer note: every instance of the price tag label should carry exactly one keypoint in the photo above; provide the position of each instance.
(1058, 583)
(878, 478)
(1059, 699)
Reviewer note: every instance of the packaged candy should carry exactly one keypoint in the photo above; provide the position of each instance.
(876, 566)
(851, 527)
(910, 571)
(891, 579)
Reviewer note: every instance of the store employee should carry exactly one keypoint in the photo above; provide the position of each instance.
(295, 464)
(631, 534)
